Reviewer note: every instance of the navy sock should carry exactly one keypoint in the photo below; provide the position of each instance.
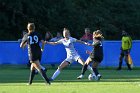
(120, 64)
(95, 71)
(84, 69)
(129, 67)
(32, 74)
(43, 74)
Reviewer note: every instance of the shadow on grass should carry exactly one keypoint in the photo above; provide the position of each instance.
(82, 80)
(20, 74)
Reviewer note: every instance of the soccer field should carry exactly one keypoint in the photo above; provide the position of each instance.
(14, 79)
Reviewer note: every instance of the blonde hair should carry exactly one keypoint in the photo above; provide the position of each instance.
(31, 26)
(66, 30)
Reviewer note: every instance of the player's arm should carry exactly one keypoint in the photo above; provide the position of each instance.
(43, 45)
(52, 43)
(88, 52)
(24, 42)
(82, 42)
(96, 43)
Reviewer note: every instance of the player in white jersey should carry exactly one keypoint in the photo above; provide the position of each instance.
(72, 54)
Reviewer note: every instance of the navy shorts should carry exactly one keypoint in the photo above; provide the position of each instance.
(125, 52)
(96, 59)
(35, 56)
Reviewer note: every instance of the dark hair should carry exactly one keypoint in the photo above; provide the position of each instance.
(98, 35)
(124, 33)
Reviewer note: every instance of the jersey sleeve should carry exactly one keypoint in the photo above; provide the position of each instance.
(60, 41)
(73, 39)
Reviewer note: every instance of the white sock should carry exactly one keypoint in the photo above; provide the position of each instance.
(57, 72)
(43, 68)
(90, 69)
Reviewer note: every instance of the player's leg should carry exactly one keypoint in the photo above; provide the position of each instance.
(95, 69)
(126, 60)
(45, 69)
(32, 74)
(58, 71)
(42, 67)
(85, 67)
(36, 64)
(86, 64)
(120, 60)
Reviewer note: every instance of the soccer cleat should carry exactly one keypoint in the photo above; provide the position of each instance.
(118, 68)
(80, 77)
(98, 77)
(28, 84)
(48, 82)
(129, 69)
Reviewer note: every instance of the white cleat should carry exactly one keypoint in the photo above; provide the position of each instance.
(80, 77)
(98, 77)
(28, 84)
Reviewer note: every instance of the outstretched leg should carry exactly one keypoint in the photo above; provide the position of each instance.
(85, 67)
(58, 71)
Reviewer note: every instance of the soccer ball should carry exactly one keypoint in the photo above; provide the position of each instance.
(90, 77)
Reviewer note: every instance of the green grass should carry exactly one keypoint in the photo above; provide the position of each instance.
(13, 79)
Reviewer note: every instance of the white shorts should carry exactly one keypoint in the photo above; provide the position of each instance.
(72, 58)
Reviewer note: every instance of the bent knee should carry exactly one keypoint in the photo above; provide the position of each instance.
(59, 68)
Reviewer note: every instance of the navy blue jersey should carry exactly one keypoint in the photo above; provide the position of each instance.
(97, 52)
(34, 50)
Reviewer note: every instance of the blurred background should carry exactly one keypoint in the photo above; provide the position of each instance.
(110, 16)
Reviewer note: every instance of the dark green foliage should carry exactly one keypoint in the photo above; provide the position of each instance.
(111, 16)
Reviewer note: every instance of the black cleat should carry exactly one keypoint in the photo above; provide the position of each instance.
(118, 68)
(129, 69)
(48, 82)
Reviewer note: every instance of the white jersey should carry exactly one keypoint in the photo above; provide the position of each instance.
(69, 46)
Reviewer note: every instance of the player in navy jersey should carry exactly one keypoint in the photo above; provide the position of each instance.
(32, 38)
(72, 54)
(95, 57)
